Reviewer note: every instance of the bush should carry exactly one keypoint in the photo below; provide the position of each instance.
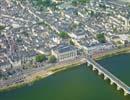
(63, 35)
(83, 1)
(52, 59)
(40, 58)
(101, 38)
(2, 27)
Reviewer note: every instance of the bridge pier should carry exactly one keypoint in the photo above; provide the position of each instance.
(111, 82)
(105, 77)
(125, 93)
(99, 72)
(88, 64)
(94, 68)
(118, 88)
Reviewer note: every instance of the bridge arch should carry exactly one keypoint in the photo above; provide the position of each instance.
(95, 70)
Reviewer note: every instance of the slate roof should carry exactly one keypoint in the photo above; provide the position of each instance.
(64, 48)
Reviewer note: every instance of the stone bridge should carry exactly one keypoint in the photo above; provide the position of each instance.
(107, 75)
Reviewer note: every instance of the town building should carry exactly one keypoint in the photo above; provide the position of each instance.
(64, 52)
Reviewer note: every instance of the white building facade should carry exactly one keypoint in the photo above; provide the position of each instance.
(64, 52)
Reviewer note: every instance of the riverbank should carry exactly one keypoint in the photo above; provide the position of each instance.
(30, 79)
(112, 53)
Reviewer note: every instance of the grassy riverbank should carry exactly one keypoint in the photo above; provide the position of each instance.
(29, 80)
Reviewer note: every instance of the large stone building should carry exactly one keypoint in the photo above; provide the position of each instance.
(64, 52)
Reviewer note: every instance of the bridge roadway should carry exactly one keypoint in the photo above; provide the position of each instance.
(108, 75)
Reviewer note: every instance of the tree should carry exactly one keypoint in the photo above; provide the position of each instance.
(83, 1)
(115, 30)
(74, 3)
(2, 27)
(40, 58)
(101, 38)
(63, 34)
(52, 59)
(102, 6)
(129, 5)
(41, 4)
(92, 13)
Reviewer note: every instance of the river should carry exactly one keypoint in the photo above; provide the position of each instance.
(79, 83)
